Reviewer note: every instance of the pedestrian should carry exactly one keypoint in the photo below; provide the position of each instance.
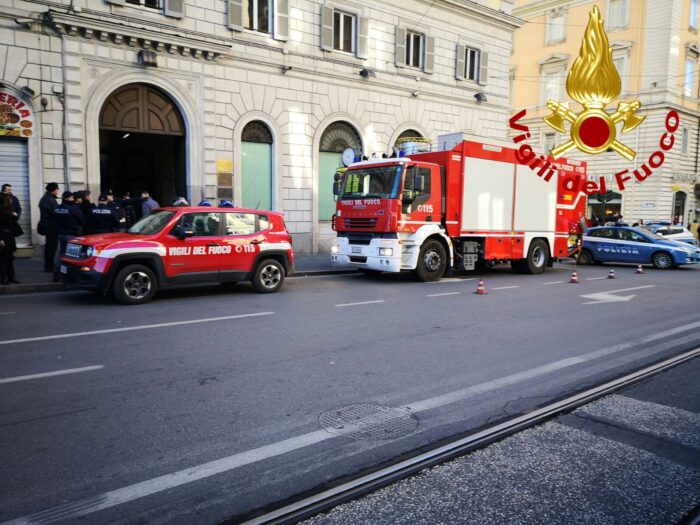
(180, 201)
(149, 204)
(117, 208)
(16, 206)
(87, 204)
(48, 225)
(70, 225)
(101, 218)
(695, 230)
(9, 229)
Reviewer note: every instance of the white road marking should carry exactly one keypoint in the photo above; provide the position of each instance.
(182, 477)
(555, 282)
(51, 374)
(609, 297)
(595, 278)
(441, 294)
(131, 328)
(360, 303)
(505, 287)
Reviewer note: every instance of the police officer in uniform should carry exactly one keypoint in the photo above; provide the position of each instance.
(102, 219)
(117, 208)
(70, 225)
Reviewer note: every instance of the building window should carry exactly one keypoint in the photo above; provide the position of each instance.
(693, 23)
(556, 28)
(620, 62)
(256, 166)
(689, 79)
(344, 27)
(552, 82)
(684, 142)
(617, 14)
(259, 16)
(414, 49)
(151, 4)
(471, 64)
(549, 139)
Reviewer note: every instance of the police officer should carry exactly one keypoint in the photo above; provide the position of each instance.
(117, 208)
(102, 219)
(70, 225)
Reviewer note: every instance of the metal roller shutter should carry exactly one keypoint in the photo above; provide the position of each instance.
(14, 170)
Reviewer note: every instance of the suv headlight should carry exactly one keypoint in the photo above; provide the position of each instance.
(335, 249)
(386, 252)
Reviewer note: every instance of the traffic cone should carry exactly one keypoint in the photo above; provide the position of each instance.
(481, 290)
(574, 277)
(611, 274)
(640, 269)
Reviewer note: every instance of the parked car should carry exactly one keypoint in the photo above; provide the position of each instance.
(673, 232)
(635, 245)
(183, 245)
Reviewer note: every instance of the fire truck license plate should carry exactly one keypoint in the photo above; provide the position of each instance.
(356, 249)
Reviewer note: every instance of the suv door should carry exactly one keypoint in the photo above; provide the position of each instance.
(197, 257)
(424, 205)
(241, 244)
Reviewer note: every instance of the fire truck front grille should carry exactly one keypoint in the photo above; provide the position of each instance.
(360, 222)
(361, 260)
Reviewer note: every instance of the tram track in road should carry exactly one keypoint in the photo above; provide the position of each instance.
(320, 502)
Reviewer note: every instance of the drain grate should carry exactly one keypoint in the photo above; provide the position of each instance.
(368, 421)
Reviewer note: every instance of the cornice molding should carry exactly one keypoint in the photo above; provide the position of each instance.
(540, 8)
(123, 35)
(483, 13)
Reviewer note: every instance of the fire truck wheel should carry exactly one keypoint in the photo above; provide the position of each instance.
(537, 258)
(432, 261)
(586, 257)
(269, 276)
(134, 284)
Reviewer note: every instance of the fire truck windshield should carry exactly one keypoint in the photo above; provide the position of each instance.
(152, 223)
(380, 182)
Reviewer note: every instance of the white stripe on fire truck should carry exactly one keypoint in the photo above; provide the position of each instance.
(111, 253)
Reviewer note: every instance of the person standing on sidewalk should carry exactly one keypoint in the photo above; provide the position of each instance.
(8, 246)
(149, 204)
(16, 206)
(70, 225)
(101, 219)
(48, 225)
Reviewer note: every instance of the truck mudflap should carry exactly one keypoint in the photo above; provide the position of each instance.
(382, 255)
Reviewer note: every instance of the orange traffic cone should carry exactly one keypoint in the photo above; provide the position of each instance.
(574, 277)
(481, 290)
(640, 269)
(611, 274)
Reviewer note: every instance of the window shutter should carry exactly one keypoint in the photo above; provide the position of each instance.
(174, 8)
(459, 67)
(363, 37)
(483, 68)
(115, 2)
(327, 28)
(235, 15)
(400, 47)
(429, 60)
(281, 20)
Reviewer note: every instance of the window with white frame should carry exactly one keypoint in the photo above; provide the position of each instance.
(257, 16)
(472, 58)
(552, 84)
(556, 28)
(620, 61)
(415, 44)
(344, 28)
(617, 14)
(689, 78)
(151, 4)
(549, 142)
(693, 22)
(684, 142)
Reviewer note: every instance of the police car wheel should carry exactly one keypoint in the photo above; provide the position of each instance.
(662, 261)
(586, 257)
(134, 284)
(269, 276)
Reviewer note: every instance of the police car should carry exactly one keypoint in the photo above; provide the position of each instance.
(635, 245)
(183, 245)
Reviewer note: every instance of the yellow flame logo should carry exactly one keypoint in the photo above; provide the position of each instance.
(594, 83)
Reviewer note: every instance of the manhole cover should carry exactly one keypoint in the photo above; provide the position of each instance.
(368, 421)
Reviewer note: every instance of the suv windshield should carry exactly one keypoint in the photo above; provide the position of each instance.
(380, 182)
(152, 224)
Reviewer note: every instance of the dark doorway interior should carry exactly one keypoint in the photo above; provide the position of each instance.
(134, 162)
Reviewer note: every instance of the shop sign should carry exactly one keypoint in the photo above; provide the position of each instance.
(16, 119)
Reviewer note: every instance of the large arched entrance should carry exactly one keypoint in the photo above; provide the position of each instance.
(142, 144)
(256, 166)
(337, 137)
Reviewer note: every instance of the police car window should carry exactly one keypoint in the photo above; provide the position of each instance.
(240, 223)
(605, 233)
(263, 223)
(628, 235)
(200, 224)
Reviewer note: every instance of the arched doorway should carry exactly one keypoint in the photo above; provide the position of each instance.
(679, 199)
(256, 166)
(411, 141)
(142, 144)
(337, 137)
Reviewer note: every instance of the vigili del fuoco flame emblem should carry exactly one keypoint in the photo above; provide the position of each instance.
(594, 82)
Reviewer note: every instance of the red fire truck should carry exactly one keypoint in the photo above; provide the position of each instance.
(470, 205)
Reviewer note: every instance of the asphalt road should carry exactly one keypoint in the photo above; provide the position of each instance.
(208, 403)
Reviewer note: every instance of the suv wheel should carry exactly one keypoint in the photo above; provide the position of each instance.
(268, 276)
(134, 284)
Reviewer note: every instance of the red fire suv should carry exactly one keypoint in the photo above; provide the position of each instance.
(187, 245)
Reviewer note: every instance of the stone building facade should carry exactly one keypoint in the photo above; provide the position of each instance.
(248, 100)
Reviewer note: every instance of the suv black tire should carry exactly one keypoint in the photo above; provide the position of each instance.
(269, 276)
(134, 284)
(432, 261)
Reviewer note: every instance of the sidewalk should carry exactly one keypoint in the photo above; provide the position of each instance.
(33, 279)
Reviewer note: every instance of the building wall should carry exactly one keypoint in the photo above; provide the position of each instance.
(222, 79)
